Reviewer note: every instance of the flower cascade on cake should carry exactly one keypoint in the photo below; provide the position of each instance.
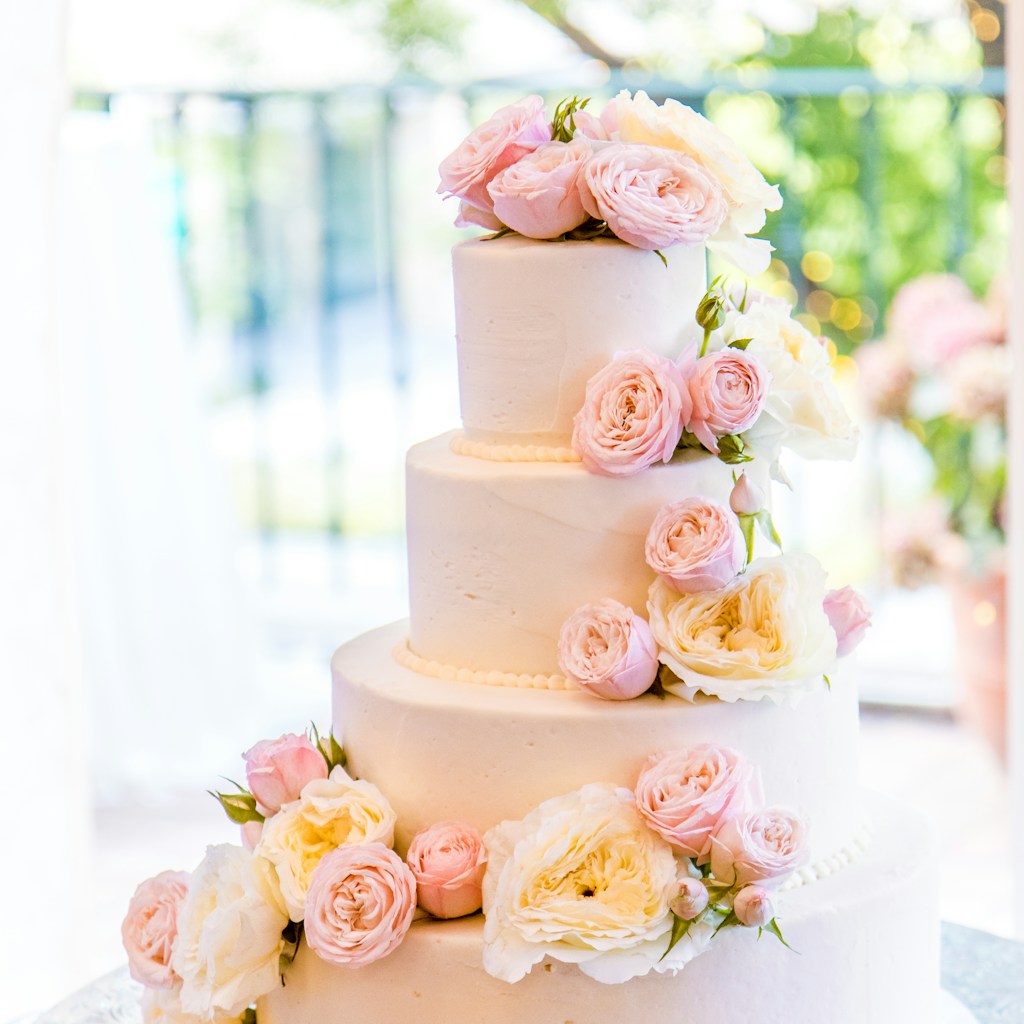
(316, 861)
(623, 883)
(653, 176)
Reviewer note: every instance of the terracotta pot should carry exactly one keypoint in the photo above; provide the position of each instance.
(979, 612)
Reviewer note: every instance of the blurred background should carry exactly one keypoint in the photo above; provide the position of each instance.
(248, 319)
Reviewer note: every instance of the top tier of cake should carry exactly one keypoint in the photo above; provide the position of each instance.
(535, 320)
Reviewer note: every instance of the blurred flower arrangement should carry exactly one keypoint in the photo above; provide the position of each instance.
(942, 373)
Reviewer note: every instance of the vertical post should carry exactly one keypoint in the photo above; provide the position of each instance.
(1015, 682)
(389, 262)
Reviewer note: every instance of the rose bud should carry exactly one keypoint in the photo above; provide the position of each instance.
(746, 499)
(850, 617)
(754, 905)
(448, 861)
(608, 651)
(277, 770)
(690, 899)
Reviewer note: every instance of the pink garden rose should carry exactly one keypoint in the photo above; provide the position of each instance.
(850, 617)
(754, 905)
(360, 904)
(885, 378)
(448, 861)
(684, 795)
(696, 544)
(608, 650)
(728, 390)
(278, 769)
(470, 216)
(151, 926)
(652, 197)
(690, 899)
(538, 196)
(632, 416)
(761, 846)
(510, 134)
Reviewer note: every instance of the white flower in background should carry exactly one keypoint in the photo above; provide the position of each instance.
(582, 879)
(765, 634)
(676, 126)
(332, 812)
(163, 1006)
(803, 410)
(229, 936)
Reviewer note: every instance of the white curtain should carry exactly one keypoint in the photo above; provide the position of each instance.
(44, 835)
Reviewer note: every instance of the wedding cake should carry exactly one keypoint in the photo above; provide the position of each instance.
(612, 720)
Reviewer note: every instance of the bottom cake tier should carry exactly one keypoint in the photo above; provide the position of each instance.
(865, 950)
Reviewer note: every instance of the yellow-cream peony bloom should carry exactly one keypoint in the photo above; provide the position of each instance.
(581, 879)
(332, 812)
(765, 634)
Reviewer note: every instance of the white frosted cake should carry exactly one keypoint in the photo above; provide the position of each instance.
(612, 718)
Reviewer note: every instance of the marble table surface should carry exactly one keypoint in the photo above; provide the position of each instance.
(984, 972)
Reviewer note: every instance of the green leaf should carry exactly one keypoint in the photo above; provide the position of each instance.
(338, 758)
(590, 228)
(292, 936)
(239, 807)
(764, 520)
(500, 233)
(661, 256)
(563, 124)
(747, 524)
(688, 440)
(249, 1017)
(773, 927)
(679, 929)
(828, 682)
(740, 343)
(732, 451)
(743, 301)
(729, 921)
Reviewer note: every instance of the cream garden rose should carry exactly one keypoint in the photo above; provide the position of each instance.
(765, 634)
(581, 879)
(673, 125)
(332, 812)
(229, 935)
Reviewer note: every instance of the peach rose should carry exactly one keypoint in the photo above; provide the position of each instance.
(684, 795)
(509, 134)
(360, 904)
(651, 197)
(277, 770)
(538, 196)
(762, 846)
(850, 617)
(632, 416)
(151, 926)
(696, 544)
(448, 861)
(608, 650)
(754, 905)
(728, 390)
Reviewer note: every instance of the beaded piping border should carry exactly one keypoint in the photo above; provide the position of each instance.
(485, 677)
(461, 445)
(833, 864)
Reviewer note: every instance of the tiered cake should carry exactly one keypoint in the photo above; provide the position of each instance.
(606, 721)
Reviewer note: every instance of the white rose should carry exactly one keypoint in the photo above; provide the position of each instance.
(229, 936)
(765, 634)
(678, 127)
(803, 411)
(163, 1006)
(332, 812)
(583, 880)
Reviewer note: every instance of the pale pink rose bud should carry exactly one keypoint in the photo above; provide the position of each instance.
(850, 617)
(359, 905)
(728, 390)
(251, 832)
(761, 846)
(690, 899)
(754, 905)
(632, 416)
(652, 197)
(746, 499)
(509, 134)
(608, 650)
(684, 795)
(696, 544)
(469, 216)
(151, 926)
(277, 770)
(537, 196)
(448, 861)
